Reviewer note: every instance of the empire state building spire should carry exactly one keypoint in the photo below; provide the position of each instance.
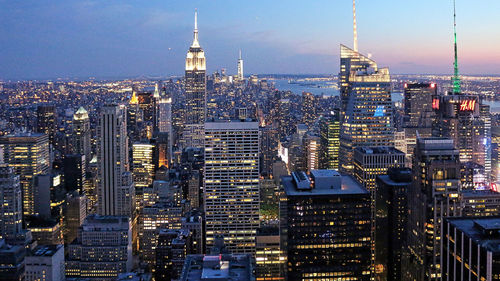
(195, 44)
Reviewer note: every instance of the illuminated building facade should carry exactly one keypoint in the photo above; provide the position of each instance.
(365, 91)
(11, 211)
(231, 184)
(143, 168)
(81, 134)
(330, 141)
(195, 87)
(325, 227)
(459, 118)
(102, 250)
(479, 203)
(241, 76)
(433, 196)
(308, 109)
(471, 248)
(115, 190)
(164, 123)
(312, 150)
(392, 207)
(28, 154)
(418, 106)
(268, 255)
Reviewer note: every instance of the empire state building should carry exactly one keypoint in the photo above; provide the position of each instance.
(195, 87)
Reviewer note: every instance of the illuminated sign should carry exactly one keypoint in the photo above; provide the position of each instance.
(467, 105)
(435, 104)
(494, 187)
(379, 112)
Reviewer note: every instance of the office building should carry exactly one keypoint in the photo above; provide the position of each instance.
(478, 203)
(45, 263)
(143, 169)
(195, 87)
(308, 109)
(418, 110)
(82, 134)
(312, 151)
(471, 248)
(75, 170)
(330, 141)
(270, 261)
(46, 118)
(366, 112)
(46, 231)
(11, 211)
(28, 154)
(218, 267)
(370, 162)
(11, 262)
(231, 184)
(433, 196)
(459, 118)
(102, 250)
(171, 250)
(392, 210)
(164, 120)
(75, 214)
(115, 188)
(325, 227)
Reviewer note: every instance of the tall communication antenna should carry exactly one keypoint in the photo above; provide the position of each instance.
(456, 77)
(355, 28)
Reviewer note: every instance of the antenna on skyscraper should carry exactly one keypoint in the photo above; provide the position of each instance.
(355, 28)
(456, 77)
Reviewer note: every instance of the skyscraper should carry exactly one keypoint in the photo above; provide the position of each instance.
(329, 127)
(392, 209)
(463, 118)
(115, 186)
(81, 134)
(46, 121)
(11, 211)
(433, 196)
(241, 77)
(164, 119)
(195, 87)
(102, 250)
(365, 91)
(28, 154)
(325, 227)
(231, 184)
(471, 248)
(308, 109)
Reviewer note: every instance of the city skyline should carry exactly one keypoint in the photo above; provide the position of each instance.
(125, 39)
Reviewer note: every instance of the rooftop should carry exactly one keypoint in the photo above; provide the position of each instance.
(236, 267)
(379, 150)
(326, 183)
(484, 231)
(46, 250)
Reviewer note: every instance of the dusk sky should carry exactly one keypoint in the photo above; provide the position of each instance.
(121, 38)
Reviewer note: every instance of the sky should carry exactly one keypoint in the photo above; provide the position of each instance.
(47, 39)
